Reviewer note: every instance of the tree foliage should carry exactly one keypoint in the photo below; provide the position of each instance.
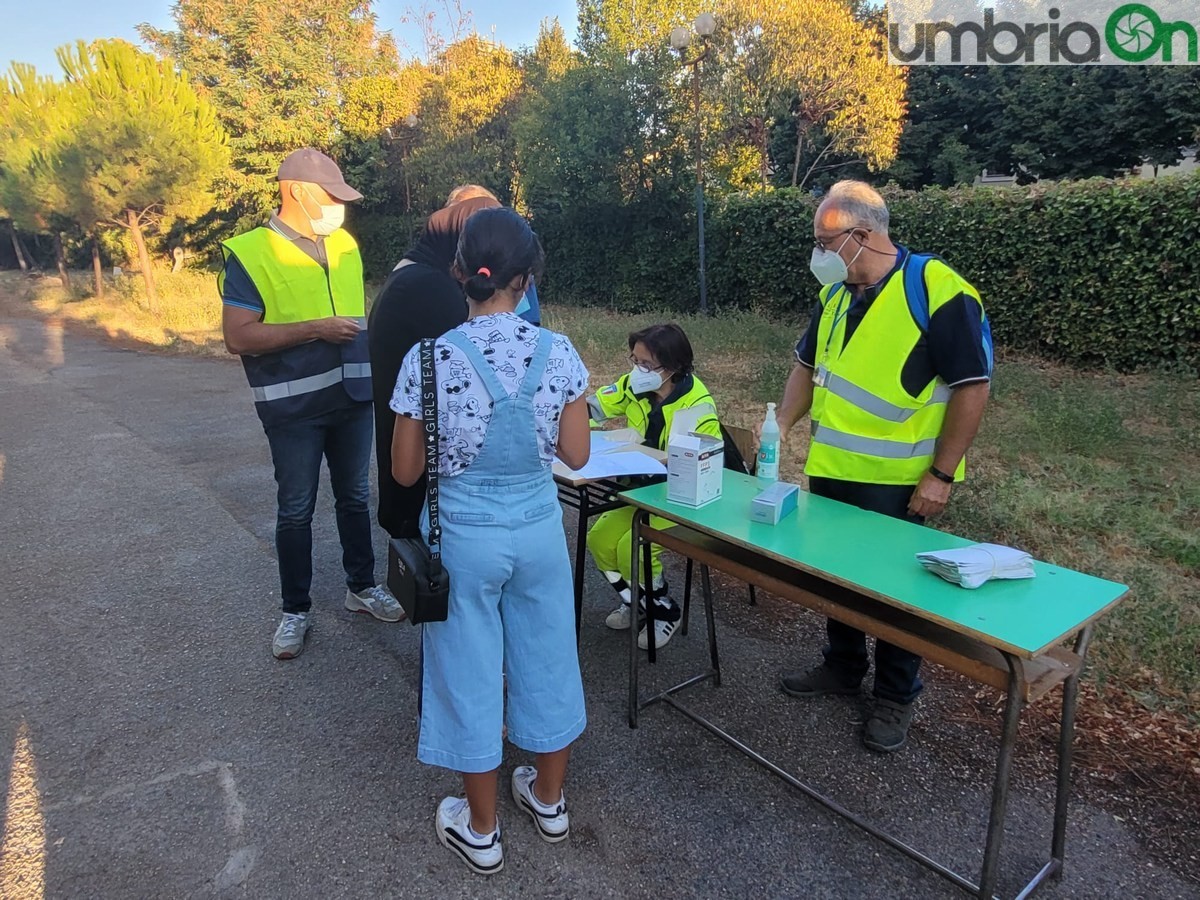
(815, 62)
(142, 144)
(282, 76)
(598, 142)
(35, 117)
(632, 26)
(465, 119)
(1044, 122)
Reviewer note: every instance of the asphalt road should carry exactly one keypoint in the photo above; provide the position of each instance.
(152, 747)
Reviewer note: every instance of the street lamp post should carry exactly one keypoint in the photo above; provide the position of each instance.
(405, 140)
(681, 38)
(411, 122)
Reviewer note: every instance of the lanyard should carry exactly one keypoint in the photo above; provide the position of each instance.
(840, 313)
(838, 316)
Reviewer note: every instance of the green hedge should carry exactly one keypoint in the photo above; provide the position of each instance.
(1097, 272)
(1094, 272)
(383, 238)
(636, 257)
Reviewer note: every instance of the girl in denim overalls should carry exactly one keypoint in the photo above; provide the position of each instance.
(510, 398)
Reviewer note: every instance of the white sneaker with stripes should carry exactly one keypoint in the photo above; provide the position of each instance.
(552, 822)
(483, 855)
(662, 634)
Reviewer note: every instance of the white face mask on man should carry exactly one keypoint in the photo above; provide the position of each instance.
(828, 267)
(643, 382)
(331, 218)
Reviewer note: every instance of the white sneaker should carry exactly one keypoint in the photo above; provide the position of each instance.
(375, 601)
(618, 619)
(483, 856)
(290, 635)
(662, 634)
(552, 822)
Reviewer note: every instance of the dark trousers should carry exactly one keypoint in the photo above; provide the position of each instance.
(343, 437)
(896, 677)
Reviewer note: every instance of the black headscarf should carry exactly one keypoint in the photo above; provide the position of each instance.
(438, 243)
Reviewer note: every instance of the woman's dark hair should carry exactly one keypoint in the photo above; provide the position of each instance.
(495, 247)
(669, 345)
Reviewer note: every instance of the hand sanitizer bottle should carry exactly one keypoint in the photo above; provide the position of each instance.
(768, 447)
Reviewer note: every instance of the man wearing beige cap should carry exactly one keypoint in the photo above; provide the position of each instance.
(294, 311)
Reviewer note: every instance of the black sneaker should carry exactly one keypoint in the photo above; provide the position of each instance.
(887, 729)
(816, 682)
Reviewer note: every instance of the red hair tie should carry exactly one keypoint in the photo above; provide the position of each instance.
(484, 271)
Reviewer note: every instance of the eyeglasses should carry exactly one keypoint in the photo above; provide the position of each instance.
(823, 243)
(641, 366)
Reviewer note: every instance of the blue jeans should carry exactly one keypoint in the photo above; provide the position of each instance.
(344, 438)
(896, 677)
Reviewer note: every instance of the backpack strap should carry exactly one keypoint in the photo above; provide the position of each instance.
(915, 290)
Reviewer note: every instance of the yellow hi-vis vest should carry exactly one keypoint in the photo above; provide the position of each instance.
(316, 377)
(866, 426)
(617, 400)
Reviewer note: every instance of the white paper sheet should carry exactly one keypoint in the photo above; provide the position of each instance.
(609, 442)
(611, 465)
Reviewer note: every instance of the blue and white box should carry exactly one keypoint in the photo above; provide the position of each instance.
(775, 503)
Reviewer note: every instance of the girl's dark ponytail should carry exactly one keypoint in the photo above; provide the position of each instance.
(479, 287)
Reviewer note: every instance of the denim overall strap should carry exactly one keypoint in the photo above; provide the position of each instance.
(494, 388)
(511, 450)
(537, 367)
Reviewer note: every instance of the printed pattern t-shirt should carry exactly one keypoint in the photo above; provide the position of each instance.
(507, 342)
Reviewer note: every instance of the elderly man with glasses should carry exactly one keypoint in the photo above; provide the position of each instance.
(894, 371)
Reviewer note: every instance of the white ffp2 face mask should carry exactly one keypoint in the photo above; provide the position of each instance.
(828, 267)
(332, 218)
(644, 382)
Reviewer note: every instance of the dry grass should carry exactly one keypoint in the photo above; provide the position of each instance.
(187, 318)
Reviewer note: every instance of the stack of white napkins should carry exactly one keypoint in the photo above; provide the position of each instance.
(971, 566)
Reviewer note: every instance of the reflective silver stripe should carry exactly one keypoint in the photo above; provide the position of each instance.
(878, 447)
(297, 387)
(595, 410)
(868, 402)
(356, 370)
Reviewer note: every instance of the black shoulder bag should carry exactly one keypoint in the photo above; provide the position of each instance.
(416, 576)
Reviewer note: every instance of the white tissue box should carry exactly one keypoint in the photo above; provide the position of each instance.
(776, 502)
(695, 465)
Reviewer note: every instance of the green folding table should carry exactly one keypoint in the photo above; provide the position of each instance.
(860, 568)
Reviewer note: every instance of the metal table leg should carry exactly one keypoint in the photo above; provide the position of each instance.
(634, 599)
(580, 555)
(1014, 703)
(706, 582)
(1066, 742)
(647, 580)
(1062, 792)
